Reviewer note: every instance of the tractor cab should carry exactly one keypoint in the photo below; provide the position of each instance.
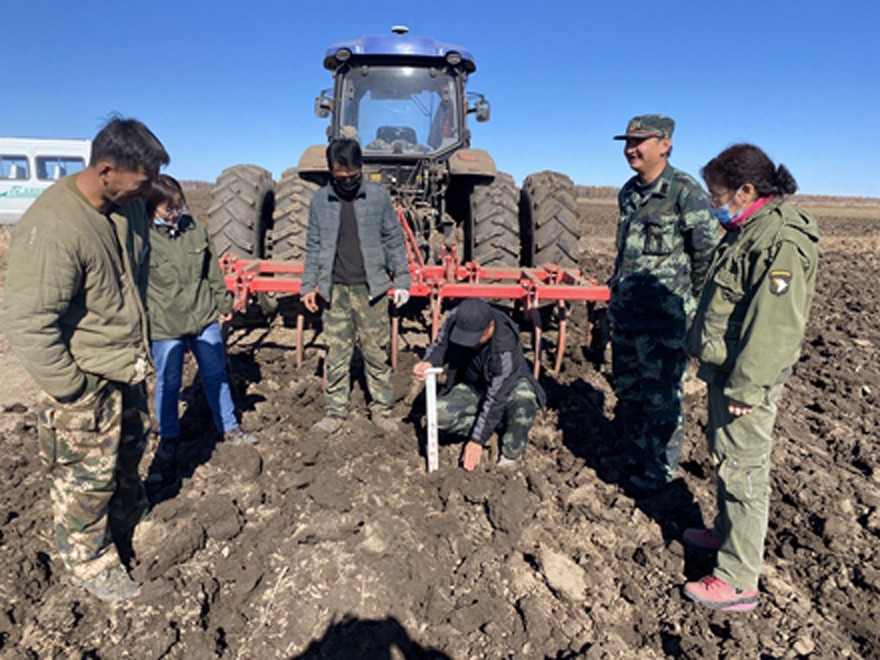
(405, 99)
(402, 96)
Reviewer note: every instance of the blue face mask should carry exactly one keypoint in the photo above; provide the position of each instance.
(722, 214)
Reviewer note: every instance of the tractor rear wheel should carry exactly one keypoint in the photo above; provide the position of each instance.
(549, 221)
(292, 198)
(492, 239)
(240, 214)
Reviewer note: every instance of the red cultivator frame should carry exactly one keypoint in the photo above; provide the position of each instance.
(531, 287)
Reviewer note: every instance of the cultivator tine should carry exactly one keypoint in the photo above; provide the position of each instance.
(560, 344)
(395, 330)
(300, 325)
(535, 315)
(435, 315)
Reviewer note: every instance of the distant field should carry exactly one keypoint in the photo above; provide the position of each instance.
(850, 207)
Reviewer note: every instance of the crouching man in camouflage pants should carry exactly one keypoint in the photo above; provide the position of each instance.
(490, 384)
(74, 315)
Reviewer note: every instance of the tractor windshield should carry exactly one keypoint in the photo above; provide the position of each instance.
(400, 109)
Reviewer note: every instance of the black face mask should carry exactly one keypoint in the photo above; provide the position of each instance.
(347, 188)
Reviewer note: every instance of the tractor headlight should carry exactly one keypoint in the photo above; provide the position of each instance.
(342, 55)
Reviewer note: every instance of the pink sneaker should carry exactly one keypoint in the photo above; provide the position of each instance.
(719, 595)
(700, 538)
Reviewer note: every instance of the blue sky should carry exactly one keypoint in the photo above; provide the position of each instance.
(226, 82)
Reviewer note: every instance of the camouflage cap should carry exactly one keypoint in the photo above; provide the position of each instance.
(647, 126)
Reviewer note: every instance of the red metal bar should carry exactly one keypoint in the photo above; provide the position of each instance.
(413, 253)
(532, 287)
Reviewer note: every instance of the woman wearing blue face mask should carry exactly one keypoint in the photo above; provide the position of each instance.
(747, 335)
(186, 299)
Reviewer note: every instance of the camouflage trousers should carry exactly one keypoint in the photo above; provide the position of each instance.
(91, 449)
(740, 449)
(457, 412)
(649, 372)
(353, 317)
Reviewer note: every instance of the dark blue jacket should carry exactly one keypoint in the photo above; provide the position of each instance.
(492, 370)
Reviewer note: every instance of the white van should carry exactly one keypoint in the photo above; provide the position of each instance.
(30, 165)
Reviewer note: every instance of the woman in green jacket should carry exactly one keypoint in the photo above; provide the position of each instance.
(747, 335)
(186, 298)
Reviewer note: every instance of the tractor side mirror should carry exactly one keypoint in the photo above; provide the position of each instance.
(482, 110)
(322, 108)
(323, 105)
(480, 107)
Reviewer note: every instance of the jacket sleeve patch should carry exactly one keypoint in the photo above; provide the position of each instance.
(780, 282)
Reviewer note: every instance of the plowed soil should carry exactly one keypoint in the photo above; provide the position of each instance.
(343, 546)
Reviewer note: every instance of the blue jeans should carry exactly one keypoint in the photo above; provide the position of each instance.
(207, 347)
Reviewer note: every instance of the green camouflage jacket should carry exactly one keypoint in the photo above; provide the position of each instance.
(665, 238)
(73, 303)
(186, 291)
(750, 323)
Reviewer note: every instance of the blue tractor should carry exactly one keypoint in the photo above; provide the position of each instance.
(405, 99)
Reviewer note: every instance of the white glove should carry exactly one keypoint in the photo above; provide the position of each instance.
(401, 296)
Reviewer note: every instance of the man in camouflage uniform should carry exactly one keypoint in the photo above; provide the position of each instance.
(354, 255)
(74, 315)
(490, 385)
(665, 239)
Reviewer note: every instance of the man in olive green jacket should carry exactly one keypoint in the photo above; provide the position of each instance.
(74, 314)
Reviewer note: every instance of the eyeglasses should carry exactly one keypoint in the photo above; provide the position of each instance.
(173, 213)
(715, 197)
